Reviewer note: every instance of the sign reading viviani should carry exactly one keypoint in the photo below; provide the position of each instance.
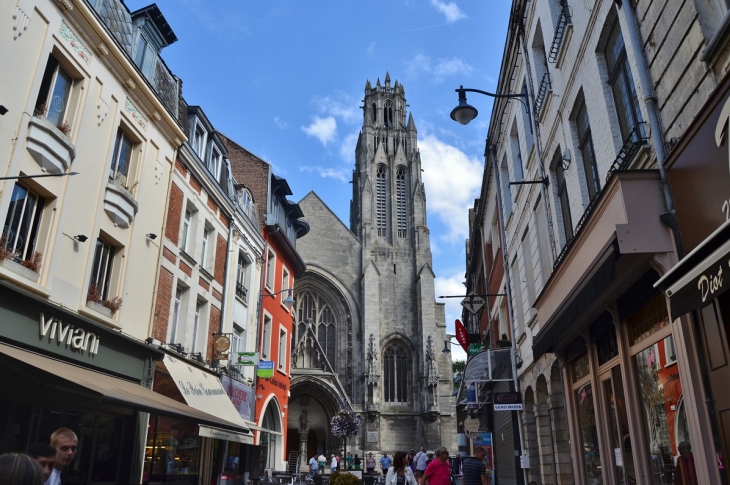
(69, 336)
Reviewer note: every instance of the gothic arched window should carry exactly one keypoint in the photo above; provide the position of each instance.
(374, 113)
(400, 193)
(388, 115)
(381, 198)
(396, 367)
(312, 308)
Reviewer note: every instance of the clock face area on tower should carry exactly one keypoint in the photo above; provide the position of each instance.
(366, 317)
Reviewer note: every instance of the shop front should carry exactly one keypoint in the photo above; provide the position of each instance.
(62, 370)
(632, 387)
(184, 452)
(699, 177)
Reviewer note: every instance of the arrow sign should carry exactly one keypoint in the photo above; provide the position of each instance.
(473, 303)
(461, 334)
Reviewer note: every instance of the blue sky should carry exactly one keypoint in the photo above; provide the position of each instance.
(285, 78)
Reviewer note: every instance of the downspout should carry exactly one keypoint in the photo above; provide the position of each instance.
(226, 284)
(503, 238)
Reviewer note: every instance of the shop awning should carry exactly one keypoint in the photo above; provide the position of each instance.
(205, 392)
(488, 366)
(701, 276)
(118, 391)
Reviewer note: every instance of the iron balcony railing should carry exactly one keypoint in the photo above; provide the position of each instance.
(563, 22)
(545, 86)
(241, 291)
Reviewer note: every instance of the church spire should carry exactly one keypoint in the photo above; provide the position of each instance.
(387, 79)
(411, 123)
(377, 84)
(368, 87)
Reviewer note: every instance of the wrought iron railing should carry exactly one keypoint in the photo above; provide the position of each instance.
(636, 139)
(241, 291)
(563, 21)
(545, 85)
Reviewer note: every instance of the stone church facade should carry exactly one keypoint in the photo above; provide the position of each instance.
(368, 332)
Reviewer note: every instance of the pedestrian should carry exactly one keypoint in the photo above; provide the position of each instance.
(400, 473)
(349, 461)
(45, 455)
(438, 472)
(420, 460)
(385, 463)
(65, 442)
(370, 463)
(357, 462)
(473, 470)
(20, 469)
(411, 455)
(333, 464)
(321, 462)
(313, 466)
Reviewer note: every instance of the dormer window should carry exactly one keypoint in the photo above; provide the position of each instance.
(145, 55)
(199, 140)
(215, 162)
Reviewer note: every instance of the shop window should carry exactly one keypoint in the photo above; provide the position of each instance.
(588, 434)
(580, 368)
(648, 320)
(22, 223)
(172, 451)
(607, 347)
(396, 367)
(55, 94)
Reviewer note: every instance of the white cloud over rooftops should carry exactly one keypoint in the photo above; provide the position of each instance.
(450, 11)
(324, 129)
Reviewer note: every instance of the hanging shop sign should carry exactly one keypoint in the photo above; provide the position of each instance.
(221, 344)
(248, 358)
(475, 349)
(461, 335)
(473, 303)
(266, 369)
(507, 401)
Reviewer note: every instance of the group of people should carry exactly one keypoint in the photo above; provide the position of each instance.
(420, 468)
(42, 463)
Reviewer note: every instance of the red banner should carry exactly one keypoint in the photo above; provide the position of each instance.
(461, 335)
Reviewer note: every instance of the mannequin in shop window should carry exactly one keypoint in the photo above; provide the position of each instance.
(686, 473)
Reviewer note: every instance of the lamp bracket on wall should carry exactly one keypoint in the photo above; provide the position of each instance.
(543, 181)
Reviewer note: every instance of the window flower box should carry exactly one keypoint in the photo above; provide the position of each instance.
(48, 146)
(99, 308)
(19, 269)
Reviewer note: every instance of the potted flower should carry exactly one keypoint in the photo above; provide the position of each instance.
(28, 268)
(345, 424)
(105, 307)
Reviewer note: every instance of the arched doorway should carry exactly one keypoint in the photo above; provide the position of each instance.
(270, 438)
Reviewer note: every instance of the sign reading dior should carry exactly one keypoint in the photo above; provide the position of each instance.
(68, 335)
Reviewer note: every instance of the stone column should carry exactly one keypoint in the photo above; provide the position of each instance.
(561, 440)
(545, 443)
(530, 436)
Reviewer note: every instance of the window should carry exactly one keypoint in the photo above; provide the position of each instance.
(177, 303)
(22, 222)
(270, 270)
(196, 324)
(312, 308)
(121, 157)
(266, 344)
(101, 270)
(517, 167)
(543, 241)
(199, 140)
(506, 192)
(204, 246)
(396, 369)
(215, 163)
(241, 290)
(527, 119)
(529, 272)
(281, 359)
(400, 191)
(55, 93)
(517, 296)
(585, 145)
(563, 197)
(621, 82)
(381, 207)
(187, 221)
(284, 284)
(388, 115)
(145, 56)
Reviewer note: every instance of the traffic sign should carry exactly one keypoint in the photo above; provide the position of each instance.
(473, 303)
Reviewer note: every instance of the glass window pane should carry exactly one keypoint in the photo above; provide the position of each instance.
(125, 154)
(15, 216)
(59, 97)
(588, 435)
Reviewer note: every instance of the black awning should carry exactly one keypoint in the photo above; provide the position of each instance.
(584, 294)
(701, 276)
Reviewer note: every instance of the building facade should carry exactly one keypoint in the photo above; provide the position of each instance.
(622, 140)
(369, 333)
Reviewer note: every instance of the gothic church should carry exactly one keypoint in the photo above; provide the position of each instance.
(368, 332)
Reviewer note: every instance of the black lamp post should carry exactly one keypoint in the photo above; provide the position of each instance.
(464, 112)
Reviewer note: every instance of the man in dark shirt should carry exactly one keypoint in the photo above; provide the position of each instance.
(473, 469)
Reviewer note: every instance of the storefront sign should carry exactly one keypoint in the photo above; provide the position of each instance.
(240, 395)
(67, 335)
(507, 401)
(475, 349)
(266, 369)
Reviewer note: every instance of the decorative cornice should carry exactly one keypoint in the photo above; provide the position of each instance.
(132, 110)
(73, 41)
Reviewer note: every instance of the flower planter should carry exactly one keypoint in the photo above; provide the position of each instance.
(19, 269)
(99, 308)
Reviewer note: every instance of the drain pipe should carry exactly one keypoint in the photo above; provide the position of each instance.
(670, 217)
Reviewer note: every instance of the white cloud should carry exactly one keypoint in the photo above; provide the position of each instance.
(347, 147)
(324, 129)
(452, 285)
(451, 11)
(421, 66)
(340, 174)
(371, 49)
(339, 105)
(452, 180)
(282, 125)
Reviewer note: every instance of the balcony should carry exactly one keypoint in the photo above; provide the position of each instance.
(119, 204)
(48, 146)
(242, 292)
(560, 28)
(545, 86)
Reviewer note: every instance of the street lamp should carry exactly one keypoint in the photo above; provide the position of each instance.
(464, 112)
(288, 301)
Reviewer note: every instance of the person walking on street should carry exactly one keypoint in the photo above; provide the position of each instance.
(333, 464)
(420, 460)
(400, 473)
(473, 469)
(370, 463)
(385, 463)
(65, 442)
(349, 461)
(321, 462)
(45, 455)
(438, 472)
(357, 462)
(313, 466)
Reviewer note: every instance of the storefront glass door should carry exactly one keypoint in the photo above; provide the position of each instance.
(621, 462)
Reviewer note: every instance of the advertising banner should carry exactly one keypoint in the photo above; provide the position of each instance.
(484, 439)
(240, 395)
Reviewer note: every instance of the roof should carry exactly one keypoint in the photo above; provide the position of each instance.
(160, 22)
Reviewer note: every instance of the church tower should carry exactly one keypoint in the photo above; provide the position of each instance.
(368, 331)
